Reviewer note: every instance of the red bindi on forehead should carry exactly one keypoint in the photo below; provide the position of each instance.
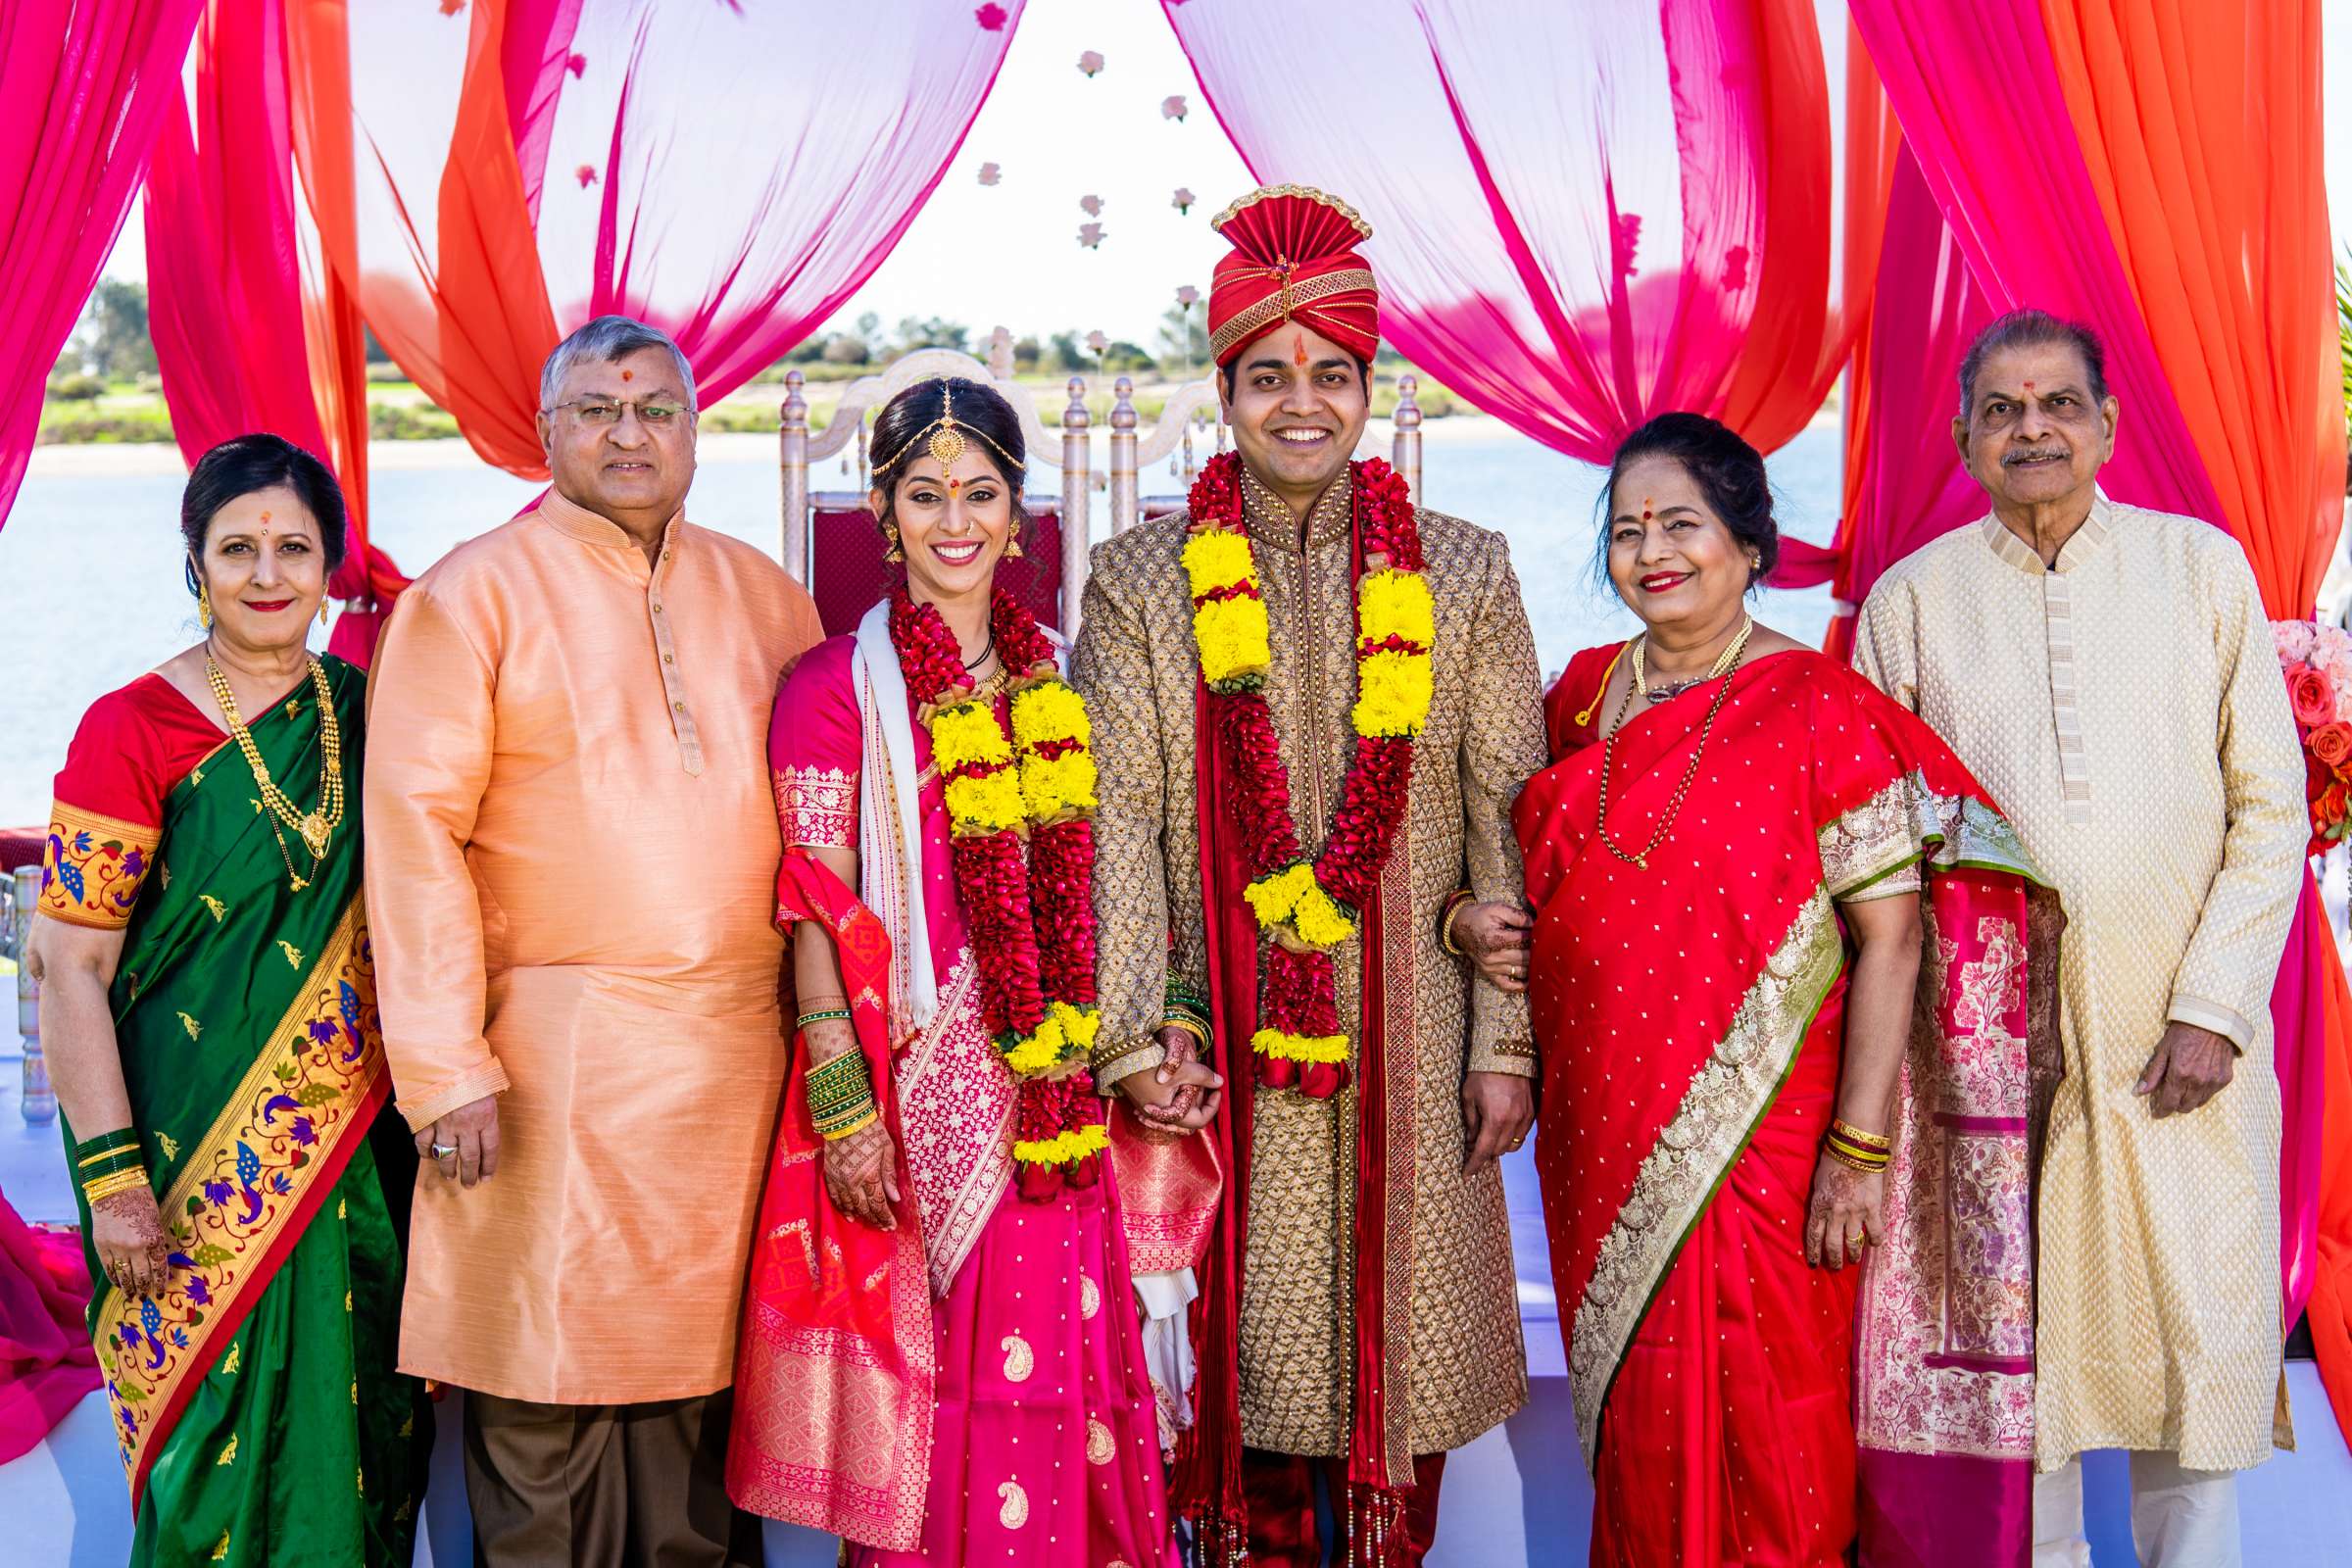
(628, 376)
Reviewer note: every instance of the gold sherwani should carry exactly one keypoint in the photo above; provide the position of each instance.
(572, 849)
(2126, 710)
(1460, 1369)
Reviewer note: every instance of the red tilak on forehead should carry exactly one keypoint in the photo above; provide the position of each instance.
(1645, 514)
(628, 376)
(2028, 386)
(1298, 349)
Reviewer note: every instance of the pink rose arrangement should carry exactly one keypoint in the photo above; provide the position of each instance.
(2317, 662)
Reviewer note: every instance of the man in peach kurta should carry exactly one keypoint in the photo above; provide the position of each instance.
(572, 851)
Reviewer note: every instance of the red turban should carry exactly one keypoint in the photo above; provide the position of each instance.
(1294, 260)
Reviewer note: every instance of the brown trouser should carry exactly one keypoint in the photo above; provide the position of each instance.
(604, 1486)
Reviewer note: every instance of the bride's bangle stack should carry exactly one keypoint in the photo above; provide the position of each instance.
(109, 1163)
(1849, 1144)
(841, 1096)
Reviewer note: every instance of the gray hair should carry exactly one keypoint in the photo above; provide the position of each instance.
(604, 340)
(2029, 328)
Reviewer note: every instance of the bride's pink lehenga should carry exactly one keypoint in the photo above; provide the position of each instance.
(970, 1387)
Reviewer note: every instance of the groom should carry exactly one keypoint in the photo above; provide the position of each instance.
(1359, 1314)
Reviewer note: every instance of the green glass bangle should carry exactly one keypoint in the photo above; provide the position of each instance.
(827, 1015)
(106, 1164)
(122, 1140)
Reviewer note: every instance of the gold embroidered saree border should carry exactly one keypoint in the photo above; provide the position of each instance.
(1907, 824)
(255, 1155)
(1726, 1097)
(93, 867)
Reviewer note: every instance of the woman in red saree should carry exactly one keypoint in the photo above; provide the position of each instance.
(1779, 984)
(941, 1358)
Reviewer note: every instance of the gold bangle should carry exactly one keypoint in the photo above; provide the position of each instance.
(1860, 1159)
(833, 1132)
(1455, 903)
(1848, 1161)
(120, 1181)
(1189, 1024)
(1839, 1127)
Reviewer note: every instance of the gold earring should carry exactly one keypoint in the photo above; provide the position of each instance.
(323, 610)
(203, 607)
(890, 532)
(1012, 546)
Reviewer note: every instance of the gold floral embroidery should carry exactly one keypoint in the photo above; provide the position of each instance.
(1871, 849)
(1019, 1360)
(228, 1452)
(1099, 1443)
(213, 907)
(92, 868)
(168, 1144)
(1015, 1512)
(293, 953)
(1726, 1097)
(234, 1359)
(195, 1030)
(1090, 1297)
(817, 806)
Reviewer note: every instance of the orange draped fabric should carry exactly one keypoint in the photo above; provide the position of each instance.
(474, 331)
(2200, 124)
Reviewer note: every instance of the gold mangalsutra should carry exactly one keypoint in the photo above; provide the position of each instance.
(317, 829)
(1724, 665)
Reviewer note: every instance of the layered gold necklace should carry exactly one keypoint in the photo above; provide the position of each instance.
(315, 829)
(1725, 663)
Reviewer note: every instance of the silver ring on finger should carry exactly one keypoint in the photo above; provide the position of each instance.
(445, 1151)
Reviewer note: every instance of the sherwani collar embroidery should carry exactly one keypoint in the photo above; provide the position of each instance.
(1272, 522)
(575, 521)
(2079, 547)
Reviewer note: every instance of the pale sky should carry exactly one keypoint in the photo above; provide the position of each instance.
(1009, 253)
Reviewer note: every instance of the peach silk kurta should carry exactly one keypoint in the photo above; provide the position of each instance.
(572, 851)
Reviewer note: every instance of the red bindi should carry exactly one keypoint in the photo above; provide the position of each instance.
(1646, 512)
(628, 376)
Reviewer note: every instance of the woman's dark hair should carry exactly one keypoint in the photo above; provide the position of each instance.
(242, 464)
(983, 417)
(1729, 474)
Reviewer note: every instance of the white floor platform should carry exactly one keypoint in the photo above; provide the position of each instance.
(1517, 1496)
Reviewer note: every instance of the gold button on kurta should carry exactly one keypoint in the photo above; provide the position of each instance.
(2126, 710)
(573, 846)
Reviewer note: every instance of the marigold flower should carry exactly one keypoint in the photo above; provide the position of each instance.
(1233, 638)
(1054, 785)
(1319, 920)
(985, 803)
(1274, 895)
(966, 735)
(1050, 712)
(1299, 1048)
(1392, 694)
(1396, 604)
(1218, 559)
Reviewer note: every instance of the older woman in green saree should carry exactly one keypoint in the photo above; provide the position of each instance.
(208, 1002)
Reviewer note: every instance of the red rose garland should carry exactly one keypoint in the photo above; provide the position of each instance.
(1301, 1043)
(1037, 1001)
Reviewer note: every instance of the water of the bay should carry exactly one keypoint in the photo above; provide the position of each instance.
(92, 596)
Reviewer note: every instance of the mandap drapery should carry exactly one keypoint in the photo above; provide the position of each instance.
(1573, 262)
(86, 83)
(2179, 211)
(250, 331)
(487, 177)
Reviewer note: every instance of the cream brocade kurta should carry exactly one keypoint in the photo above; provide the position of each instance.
(572, 857)
(2126, 710)
(1462, 1368)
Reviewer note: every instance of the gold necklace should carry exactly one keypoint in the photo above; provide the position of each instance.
(315, 828)
(1723, 661)
(1726, 663)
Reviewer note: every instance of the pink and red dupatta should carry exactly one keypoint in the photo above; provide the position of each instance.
(834, 1363)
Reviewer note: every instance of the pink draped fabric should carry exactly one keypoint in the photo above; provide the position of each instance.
(1908, 485)
(245, 340)
(47, 1363)
(524, 165)
(1950, 71)
(1583, 216)
(86, 83)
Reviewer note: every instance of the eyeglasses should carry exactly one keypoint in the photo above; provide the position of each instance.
(602, 412)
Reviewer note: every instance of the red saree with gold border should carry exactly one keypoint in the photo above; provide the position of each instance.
(1734, 1404)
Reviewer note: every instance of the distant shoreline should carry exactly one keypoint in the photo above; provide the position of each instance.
(116, 460)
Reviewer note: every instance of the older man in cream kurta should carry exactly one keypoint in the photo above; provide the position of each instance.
(2108, 672)
(571, 859)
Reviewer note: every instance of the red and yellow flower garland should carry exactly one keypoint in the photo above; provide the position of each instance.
(1306, 910)
(1037, 781)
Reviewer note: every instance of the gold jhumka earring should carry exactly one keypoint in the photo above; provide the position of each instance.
(1012, 545)
(203, 607)
(895, 553)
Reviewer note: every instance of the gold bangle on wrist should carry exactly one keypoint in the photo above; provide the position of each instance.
(1455, 903)
(120, 1181)
(1189, 1025)
(1839, 1127)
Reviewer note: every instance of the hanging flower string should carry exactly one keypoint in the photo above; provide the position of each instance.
(1304, 909)
(1037, 780)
